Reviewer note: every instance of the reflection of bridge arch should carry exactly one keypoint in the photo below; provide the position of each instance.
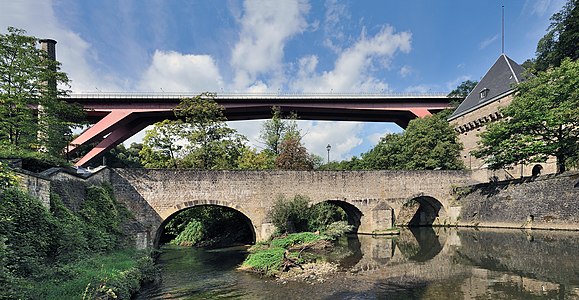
(177, 209)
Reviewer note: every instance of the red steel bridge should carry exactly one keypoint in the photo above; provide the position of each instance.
(118, 116)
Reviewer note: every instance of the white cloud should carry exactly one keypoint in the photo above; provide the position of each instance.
(452, 84)
(352, 69)
(420, 89)
(405, 71)
(542, 8)
(488, 41)
(335, 24)
(75, 54)
(342, 136)
(265, 28)
(176, 72)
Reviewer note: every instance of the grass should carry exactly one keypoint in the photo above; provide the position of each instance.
(70, 281)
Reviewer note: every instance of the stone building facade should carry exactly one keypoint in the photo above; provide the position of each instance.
(482, 106)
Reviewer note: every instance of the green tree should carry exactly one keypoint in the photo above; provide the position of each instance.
(122, 157)
(463, 89)
(161, 145)
(32, 116)
(7, 178)
(427, 143)
(431, 143)
(211, 143)
(388, 154)
(541, 121)
(561, 39)
(278, 129)
(250, 159)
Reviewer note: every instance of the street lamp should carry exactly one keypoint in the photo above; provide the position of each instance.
(328, 147)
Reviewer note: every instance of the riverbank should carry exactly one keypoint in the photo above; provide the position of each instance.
(115, 275)
(297, 256)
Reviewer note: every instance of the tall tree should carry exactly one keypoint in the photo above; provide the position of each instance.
(161, 146)
(31, 114)
(542, 121)
(427, 143)
(278, 129)
(561, 39)
(211, 143)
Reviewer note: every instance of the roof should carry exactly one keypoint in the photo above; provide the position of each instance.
(499, 81)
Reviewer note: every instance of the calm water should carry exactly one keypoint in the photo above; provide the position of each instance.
(425, 263)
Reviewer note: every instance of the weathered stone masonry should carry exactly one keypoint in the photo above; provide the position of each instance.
(548, 202)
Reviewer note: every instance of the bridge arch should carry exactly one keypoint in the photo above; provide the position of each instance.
(421, 210)
(353, 214)
(171, 213)
(429, 210)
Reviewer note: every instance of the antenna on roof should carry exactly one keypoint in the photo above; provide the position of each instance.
(503, 32)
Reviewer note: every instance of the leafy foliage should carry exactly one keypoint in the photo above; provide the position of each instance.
(7, 177)
(296, 215)
(27, 227)
(266, 261)
(561, 39)
(427, 143)
(191, 234)
(207, 226)
(31, 115)
(461, 91)
(276, 130)
(200, 139)
(295, 239)
(541, 121)
(250, 159)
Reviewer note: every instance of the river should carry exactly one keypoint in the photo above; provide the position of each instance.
(422, 263)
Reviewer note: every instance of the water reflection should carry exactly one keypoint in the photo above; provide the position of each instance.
(422, 263)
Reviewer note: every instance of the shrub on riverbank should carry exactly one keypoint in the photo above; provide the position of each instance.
(281, 253)
(295, 215)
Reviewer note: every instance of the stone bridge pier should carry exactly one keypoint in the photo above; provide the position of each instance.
(373, 200)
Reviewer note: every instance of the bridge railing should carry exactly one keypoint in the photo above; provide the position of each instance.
(242, 96)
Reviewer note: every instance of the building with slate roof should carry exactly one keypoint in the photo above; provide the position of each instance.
(495, 90)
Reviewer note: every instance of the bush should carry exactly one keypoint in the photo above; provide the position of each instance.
(29, 231)
(295, 215)
(291, 215)
(296, 239)
(266, 261)
(191, 235)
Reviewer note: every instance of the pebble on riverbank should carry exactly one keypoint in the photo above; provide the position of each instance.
(312, 272)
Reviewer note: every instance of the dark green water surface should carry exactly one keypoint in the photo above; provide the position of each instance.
(423, 263)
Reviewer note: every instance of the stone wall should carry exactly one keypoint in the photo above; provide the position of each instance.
(37, 186)
(545, 202)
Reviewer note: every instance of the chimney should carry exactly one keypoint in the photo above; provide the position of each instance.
(49, 45)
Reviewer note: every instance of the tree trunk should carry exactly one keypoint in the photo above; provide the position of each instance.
(560, 164)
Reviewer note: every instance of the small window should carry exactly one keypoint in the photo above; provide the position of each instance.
(483, 94)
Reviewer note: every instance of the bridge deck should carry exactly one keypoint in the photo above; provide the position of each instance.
(118, 116)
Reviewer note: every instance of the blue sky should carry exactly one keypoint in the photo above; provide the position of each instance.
(292, 46)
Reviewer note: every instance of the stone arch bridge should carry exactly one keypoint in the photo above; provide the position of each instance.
(373, 200)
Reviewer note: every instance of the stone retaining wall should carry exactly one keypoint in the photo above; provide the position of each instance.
(546, 202)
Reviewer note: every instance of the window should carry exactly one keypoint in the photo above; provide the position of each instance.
(483, 93)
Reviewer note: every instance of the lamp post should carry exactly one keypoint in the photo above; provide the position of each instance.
(328, 147)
